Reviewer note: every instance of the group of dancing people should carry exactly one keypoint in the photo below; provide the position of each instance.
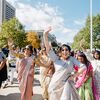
(63, 76)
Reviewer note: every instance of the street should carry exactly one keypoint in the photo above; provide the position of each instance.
(12, 91)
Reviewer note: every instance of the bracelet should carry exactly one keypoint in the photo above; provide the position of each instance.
(72, 73)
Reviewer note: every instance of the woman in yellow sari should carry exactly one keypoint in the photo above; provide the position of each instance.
(46, 72)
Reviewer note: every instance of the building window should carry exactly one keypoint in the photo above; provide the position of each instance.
(9, 12)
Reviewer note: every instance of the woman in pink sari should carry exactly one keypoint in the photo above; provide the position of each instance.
(84, 80)
(26, 74)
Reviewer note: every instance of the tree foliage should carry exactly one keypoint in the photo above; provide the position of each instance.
(13, 30)
(33, 39)
(82, 38)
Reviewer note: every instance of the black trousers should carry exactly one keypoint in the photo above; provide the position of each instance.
(0, 83)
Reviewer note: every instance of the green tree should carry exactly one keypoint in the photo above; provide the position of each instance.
(96, 31)
(82, 38)
(13, 31)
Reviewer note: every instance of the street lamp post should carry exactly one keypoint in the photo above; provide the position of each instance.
(91, 34)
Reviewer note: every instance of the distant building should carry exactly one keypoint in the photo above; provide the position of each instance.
(7, 11)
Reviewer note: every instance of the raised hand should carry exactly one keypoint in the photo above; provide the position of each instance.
(46, 41)
(47, 30)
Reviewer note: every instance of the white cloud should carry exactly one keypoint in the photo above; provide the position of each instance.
(80, 22)
(41, 16)
(13, 2)
(65, 30)
(67, 35)
(36, 17)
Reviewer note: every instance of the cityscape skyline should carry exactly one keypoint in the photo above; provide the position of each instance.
(65, 17)
(7, 11)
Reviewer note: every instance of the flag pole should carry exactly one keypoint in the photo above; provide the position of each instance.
(91, 32)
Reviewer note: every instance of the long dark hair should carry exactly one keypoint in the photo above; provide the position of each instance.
(98, 52)
(65, 45)
(86, 61)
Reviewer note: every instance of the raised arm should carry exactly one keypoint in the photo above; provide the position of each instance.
(46, 41)
(81, 66)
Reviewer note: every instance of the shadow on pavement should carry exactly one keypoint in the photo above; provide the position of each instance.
(16, 96)
(13, 96)
(37, 97)
(12, 86)
(36, 82)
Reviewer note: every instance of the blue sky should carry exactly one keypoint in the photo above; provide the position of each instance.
(66, 17)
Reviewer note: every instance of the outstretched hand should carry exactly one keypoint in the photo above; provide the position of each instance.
(47, 30)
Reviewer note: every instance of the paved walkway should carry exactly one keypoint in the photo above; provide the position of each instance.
(12, 92)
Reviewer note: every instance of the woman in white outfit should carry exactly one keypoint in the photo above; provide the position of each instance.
(11, 62)
(62, 86)
(96, 75)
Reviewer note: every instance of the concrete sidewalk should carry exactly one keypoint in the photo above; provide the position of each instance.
(12, 91)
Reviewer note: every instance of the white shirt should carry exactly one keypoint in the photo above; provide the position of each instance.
(96, 65)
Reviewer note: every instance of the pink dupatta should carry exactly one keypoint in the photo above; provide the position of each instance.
(81, 78)
(25, 66)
